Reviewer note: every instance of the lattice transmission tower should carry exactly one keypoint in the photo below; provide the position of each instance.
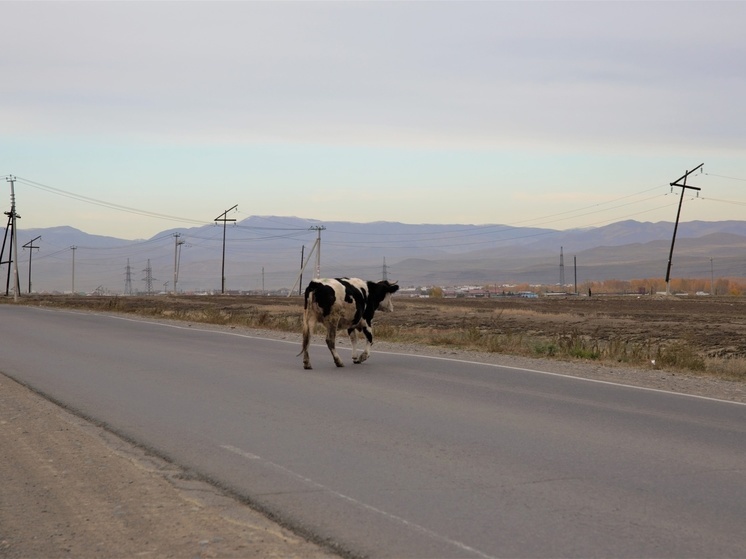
(149, 279)
(128, 279)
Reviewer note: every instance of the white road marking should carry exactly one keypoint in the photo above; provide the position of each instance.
(356, 502)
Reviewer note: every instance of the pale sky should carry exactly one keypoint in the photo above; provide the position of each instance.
(552, 114)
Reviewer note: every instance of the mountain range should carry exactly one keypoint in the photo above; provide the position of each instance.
(264, 253)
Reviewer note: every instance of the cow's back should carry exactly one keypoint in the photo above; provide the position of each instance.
(339, 300)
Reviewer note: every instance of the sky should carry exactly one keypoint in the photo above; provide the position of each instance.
(129, 118)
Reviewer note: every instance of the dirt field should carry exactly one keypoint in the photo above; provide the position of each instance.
(712, 327)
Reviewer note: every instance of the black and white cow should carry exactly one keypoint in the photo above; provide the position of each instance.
(344, 303)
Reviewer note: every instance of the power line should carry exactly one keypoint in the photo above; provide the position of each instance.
(724, 177)
(130, 245)
(105, 204)
(482, 242)
(734, 202)
(452, 234)
(486, 229)
(542, 220)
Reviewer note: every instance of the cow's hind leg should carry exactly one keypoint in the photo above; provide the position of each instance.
(331, 338)
(367, 331)
(307, 327)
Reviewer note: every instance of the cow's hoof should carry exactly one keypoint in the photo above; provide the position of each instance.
(307, 366)
(339, 364)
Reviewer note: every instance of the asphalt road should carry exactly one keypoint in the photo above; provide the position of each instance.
(405, 456)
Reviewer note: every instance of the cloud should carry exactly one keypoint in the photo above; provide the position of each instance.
(478, 75)
(447, 103)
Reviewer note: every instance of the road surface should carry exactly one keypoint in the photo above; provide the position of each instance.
(404, 456)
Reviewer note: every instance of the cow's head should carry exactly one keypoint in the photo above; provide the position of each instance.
(385, 291)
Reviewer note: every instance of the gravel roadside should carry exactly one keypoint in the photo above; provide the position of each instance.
(72, 489)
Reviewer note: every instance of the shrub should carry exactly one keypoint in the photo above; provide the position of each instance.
(680, 355)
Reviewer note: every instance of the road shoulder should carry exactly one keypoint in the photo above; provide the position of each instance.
(72, 489)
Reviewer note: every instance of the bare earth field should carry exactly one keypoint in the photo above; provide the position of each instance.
(71, 489)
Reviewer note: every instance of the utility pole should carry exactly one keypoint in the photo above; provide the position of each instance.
(73, 248)
(262, 280)
(562, 269)
(30, 245)
(13, 249)
(317, 247)
(385, 274)
(222, 217)
(319, 229)
(300, 283)
(177, 257)
(683, 187)
(575, 269)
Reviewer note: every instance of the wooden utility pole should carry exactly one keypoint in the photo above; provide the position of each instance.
(300, 282)
(683, 187)
(316, 247)
(319, 229)
(73, 249)
(177, 258)
(224, 219)
(13, 248)
(30, 245)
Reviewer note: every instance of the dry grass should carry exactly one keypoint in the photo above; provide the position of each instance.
(677, 356)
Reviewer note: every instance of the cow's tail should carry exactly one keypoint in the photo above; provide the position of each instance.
(307, 318)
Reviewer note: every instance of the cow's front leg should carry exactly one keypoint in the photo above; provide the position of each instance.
(368, 332)
(331, 338)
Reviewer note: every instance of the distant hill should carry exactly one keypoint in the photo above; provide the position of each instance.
(265, 252)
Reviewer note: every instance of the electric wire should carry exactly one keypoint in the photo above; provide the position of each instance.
(299, 232)
(453, 237)
(103, 203)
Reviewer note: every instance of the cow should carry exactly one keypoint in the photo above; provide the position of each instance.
(344, 303)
